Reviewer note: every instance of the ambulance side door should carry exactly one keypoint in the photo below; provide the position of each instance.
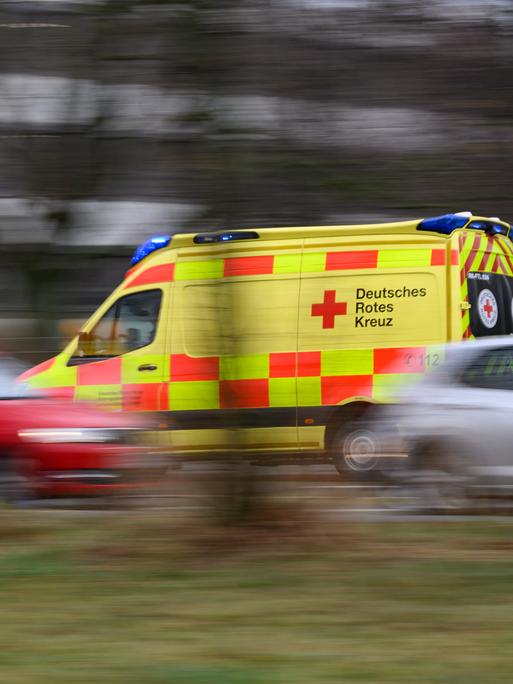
(368, 316)
(333, 365)
(234, 345)
(120, 357)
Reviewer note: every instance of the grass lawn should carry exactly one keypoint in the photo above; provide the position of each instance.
(143, 597)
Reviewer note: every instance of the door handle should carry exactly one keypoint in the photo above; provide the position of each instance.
(147, 367)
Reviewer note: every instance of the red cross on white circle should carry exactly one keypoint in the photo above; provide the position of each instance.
(487, 308)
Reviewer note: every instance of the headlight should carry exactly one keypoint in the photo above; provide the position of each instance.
(60, 435)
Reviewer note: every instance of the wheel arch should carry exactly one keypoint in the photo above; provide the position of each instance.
(344, 414)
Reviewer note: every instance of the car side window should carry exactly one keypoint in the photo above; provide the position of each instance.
(493, 369)
(129, 324)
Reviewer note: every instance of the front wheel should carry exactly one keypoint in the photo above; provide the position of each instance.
(355, 452)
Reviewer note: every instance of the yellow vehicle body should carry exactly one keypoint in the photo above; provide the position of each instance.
(285, 335)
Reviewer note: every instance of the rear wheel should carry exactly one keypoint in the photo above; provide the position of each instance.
(355, 451)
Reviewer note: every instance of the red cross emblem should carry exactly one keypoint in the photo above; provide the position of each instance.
(488, 308)
(329, 308)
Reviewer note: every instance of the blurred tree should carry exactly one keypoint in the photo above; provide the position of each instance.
(254, 111)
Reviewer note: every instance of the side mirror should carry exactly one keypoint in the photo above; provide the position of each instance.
(68, 328)
(86, 344)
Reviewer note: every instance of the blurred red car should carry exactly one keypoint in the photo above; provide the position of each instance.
(55, 447)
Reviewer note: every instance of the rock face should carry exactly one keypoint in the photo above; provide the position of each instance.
(119, 118)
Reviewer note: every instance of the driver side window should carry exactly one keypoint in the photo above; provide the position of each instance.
(129, 324)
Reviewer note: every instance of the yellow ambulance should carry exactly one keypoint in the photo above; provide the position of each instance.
(287, 334)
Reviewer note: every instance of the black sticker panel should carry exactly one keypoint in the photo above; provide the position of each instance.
(490, 296)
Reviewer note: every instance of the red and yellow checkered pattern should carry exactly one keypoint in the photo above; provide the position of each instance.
(284, 379)
(252, 381)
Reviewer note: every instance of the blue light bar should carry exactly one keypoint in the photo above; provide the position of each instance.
(151, 245)
(489, 227)
(226, 237)
(445, 224)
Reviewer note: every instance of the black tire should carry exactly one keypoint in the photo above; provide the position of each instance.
(354, 450)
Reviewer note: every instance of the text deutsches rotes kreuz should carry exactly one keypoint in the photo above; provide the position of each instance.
(378, 302)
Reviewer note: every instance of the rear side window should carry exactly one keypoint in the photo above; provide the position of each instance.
(129, 324)
(493, 369)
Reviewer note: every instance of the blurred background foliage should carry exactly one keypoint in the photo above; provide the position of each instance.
(119, 119)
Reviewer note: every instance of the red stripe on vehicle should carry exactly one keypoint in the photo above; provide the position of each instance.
(471, 257)
(338, 388)
(244, 393)
(131, 271)
(282, 365)
(164, 273)
(141, 397)
(462, 240)
(496, 264)
(455, 257)
(438, 257)
(507, 256)
(40, 368)
(348, 260)
(487, 253)
(185, 367)
(106, 372)
(65, 393)
(250, 265)
(164, 396)
(309, 364)
(501, 266)
(400, 360)
(507, 246)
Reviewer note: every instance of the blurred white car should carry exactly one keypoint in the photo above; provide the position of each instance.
(456, 425)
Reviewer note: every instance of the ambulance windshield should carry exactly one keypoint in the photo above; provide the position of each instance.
(129, 324)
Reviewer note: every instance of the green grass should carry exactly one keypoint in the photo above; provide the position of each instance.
(140, 597)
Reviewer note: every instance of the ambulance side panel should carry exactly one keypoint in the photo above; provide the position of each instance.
(277, 338)
(370, 319)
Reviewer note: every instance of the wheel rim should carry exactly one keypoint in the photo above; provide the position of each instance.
(359, 451)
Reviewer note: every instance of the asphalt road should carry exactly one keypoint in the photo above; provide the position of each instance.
(197, 486)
